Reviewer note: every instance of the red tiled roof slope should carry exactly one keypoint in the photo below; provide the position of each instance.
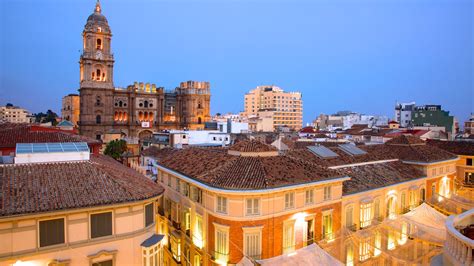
(252, 146)
(405, 140)
(34, 188)
(372, 176)
(456, 147)
(10, 135)
(219, 169)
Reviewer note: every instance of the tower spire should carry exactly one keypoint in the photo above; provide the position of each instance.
(97, 6)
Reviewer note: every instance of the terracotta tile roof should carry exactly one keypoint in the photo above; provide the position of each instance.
(413, 153)
(252, 146)
(456, 147)
(44, 187)
(308, 130)
(219, 169)
(10, 135)
(373, 176)
(405, 140)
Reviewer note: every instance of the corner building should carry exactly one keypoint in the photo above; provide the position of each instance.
(139, 109)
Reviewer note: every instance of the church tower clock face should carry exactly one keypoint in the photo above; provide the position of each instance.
(98, 55)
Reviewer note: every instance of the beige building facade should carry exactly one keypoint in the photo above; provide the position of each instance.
(15, 114)
(71, 108)
(287, 107)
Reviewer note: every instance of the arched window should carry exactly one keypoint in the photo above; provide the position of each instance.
(145, 103)
(116, 116)
(199, 120)
(120, 103)
(97, 100)
(93, 75)
(97, 74)
(99, 44)
(98, 119)
(199, 106)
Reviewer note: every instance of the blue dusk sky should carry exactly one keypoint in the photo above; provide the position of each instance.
(359, 55)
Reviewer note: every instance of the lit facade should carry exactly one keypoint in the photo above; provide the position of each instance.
(287, 107)
(14, 114)
(71, 108)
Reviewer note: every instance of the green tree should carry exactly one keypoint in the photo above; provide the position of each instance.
(116, 148)
(49, 116)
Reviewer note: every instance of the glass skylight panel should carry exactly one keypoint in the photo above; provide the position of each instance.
(322, 152)
(22, 148)
(351, 149)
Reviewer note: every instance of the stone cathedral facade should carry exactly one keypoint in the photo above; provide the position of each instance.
(139, 109)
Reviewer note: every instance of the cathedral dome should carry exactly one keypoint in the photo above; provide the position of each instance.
(97, 19)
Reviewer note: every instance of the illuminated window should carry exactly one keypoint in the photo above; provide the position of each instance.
(349, 254)
(153, 255)
(403, 234)
(365, 214)
(444, 187)
(327, 226)
(221, 244)
(288, 237)
(309, 196)
(253, 207)
(176, 247)
(364, 249)
(377, 244)
(390, 240)
(403, 204)
(289, 200)
(221, 204)
(197, 232)
(412, 199)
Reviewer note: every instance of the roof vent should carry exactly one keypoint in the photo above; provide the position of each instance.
(51, 152)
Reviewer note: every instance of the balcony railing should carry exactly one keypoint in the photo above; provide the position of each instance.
(458, 248)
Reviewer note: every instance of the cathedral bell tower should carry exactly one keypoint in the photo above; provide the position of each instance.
(97, 60)
(96, 76)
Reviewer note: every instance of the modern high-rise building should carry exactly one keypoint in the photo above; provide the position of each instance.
(287, 107)
(71, 108)
(139, 109)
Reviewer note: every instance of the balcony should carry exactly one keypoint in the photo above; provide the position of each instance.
(459, 245)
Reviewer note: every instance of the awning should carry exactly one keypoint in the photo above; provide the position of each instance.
(310, 255)
(152, 240)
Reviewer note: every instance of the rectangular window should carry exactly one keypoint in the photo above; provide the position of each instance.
(349, 218)
(51, 232)
(288, 237)
(103, 263)
(176, 247)
(221, 204)
(327, 226)
(469, 161)
(327, 193)
(377, 244)
(196, 194)
(169, 180)
(222, 246)
(253, 207)
(377, 209)
(253, 245)
(365, 214)
(309, 197)
(187, 221)
(149, 214)
(178, 185)
(197, 232)
(433, 172)
(289, 200)
(364, 250)
(403, 203)
(185, 189)
(101, 224)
